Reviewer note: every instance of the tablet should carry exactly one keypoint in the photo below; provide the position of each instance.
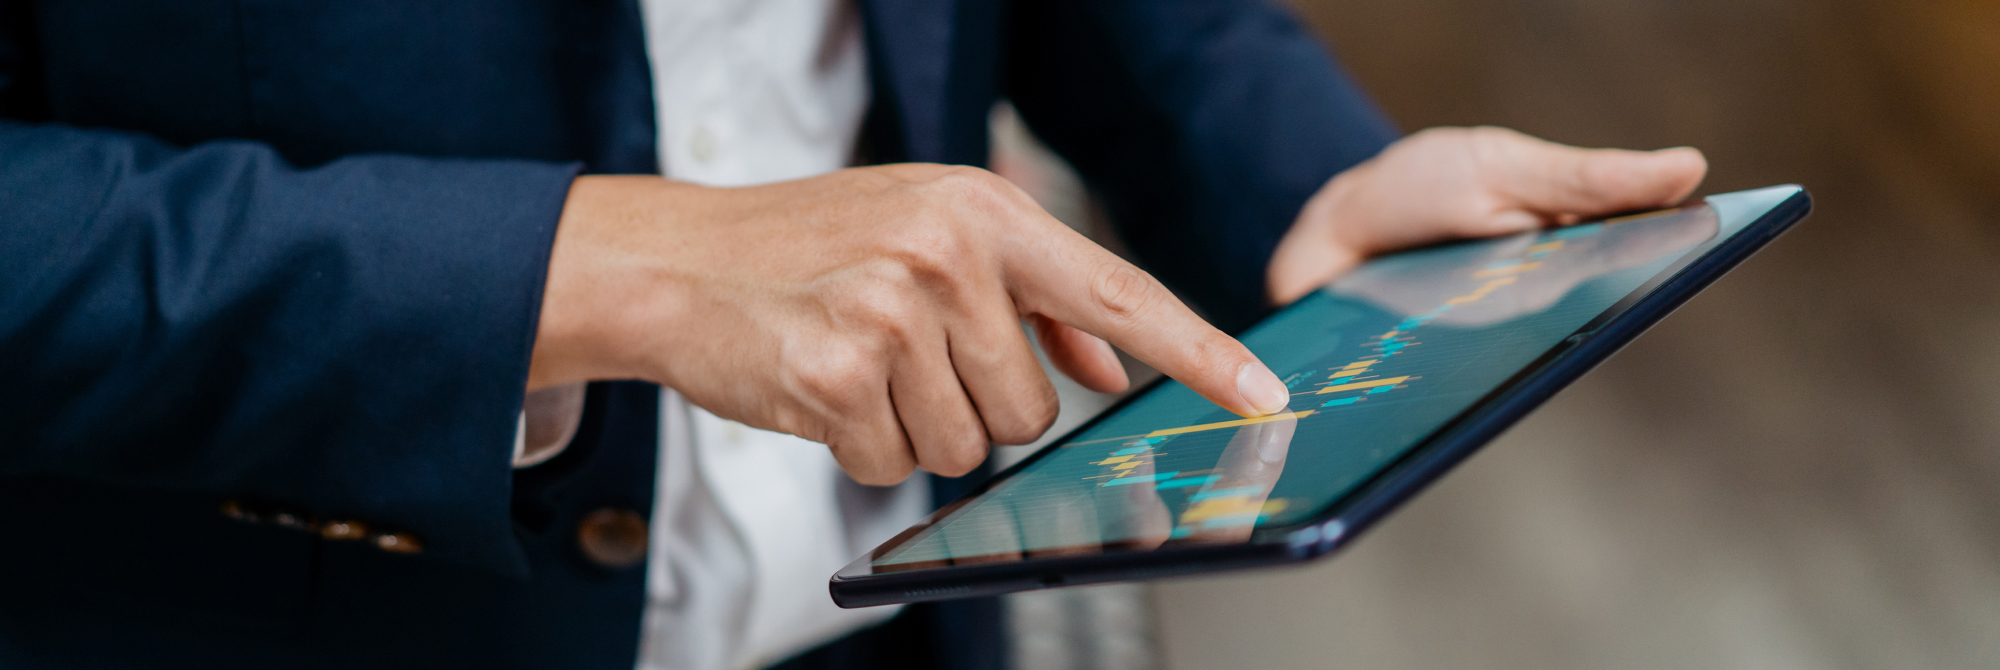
(1398, 371)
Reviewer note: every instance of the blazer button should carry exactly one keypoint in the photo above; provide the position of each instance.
(344, 530)
(399, 543)
(613, 538)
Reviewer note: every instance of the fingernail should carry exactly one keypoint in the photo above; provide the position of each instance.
(1262, 389)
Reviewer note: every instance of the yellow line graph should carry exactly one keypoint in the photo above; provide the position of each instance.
(1392, 381)
(1388, 343)
(1476, 295)
(1281, 416)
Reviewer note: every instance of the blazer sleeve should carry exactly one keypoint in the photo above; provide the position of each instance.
(351, 340)
(1202, 125)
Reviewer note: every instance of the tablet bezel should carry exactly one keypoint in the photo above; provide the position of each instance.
(1340, 521)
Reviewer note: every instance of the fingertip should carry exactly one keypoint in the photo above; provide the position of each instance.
(1261, 390)
(1645, 179)
(1686, 165)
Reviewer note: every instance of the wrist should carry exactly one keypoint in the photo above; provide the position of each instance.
(602, 290)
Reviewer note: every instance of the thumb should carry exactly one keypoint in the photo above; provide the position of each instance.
(1562, 182)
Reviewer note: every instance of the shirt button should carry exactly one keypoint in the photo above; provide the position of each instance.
(613, 538)
(702, 145)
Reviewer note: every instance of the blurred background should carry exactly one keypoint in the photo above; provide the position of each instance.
(1800, 469)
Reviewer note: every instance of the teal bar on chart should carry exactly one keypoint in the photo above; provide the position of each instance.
(1190, 481)
(1121, 481)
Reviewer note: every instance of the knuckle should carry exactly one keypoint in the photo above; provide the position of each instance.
(925, 267)
(1042, 415)
(976, 191)
(956, 456)
(1487, 145)
(1031, 417)
(1123, 292)
(965, 179)
(871, 471)
(885, 302)
(935, 255)
(888, 275)
(837, 375)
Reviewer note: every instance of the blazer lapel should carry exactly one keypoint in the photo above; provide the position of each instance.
(909, 44)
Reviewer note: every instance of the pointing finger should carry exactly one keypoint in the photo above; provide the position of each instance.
(1061, 275)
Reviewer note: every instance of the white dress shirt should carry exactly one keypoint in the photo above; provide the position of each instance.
(747, 524)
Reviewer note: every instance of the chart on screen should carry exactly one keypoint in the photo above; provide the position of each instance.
(1375, 362)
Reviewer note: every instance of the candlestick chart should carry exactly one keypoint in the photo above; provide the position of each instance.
(1376, 362)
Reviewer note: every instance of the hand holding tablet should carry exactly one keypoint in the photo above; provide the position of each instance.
(1397, 371)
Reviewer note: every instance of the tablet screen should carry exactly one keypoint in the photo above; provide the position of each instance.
(1377, 362)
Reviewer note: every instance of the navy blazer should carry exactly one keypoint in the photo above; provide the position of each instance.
(267, 265)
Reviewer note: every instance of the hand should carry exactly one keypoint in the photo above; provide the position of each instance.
(876, 310)
(1417, 288)
(1449, 183)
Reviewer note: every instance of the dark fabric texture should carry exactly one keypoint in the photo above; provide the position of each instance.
(291, 254)
(107, 576)
(192, 319)
(1202, 125)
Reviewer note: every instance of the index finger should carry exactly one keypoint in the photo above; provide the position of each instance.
(1066, 277)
